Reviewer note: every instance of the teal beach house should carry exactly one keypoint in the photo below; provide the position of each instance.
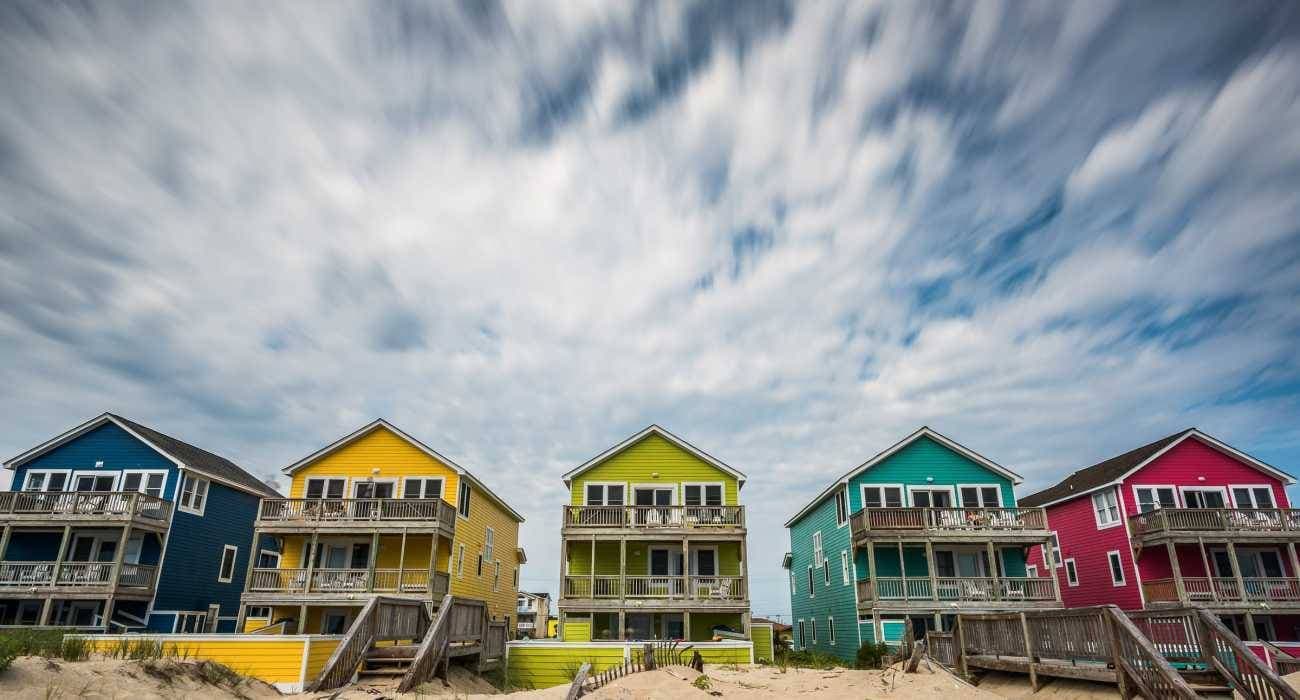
(924, 530)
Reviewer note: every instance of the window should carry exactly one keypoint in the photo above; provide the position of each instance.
(830, 630)
(1116, 567)
(1055, 553)
(422, 488)
(46, 481)
(1151, 497)
(882, 496)
(227, 570)
(94, 482)
(841, 507)
(930, 497)
(489, 538)
(194, 494)
(1071, 573)
(479, 572)
(813, 624)
(604, 494)
(1252, 496)
(702, 494)
(188, 622)
(496, 576)
(462, 499)
(266, 559)
(810, 582)
(1105, 508)
(1204, 497)
(818, 554)
(826, 571)
(980, 496)
(844, 566)
(260, 612)
(146, 482)
(1031, 570)
(325, 487)
(803, 641)
(460, 562)
(794, 588)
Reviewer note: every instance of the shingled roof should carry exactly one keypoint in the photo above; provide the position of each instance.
(200, 460)
(1099, 474)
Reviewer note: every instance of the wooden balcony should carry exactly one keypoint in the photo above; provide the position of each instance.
(28, 579)
(1216, 524)
(332, 584)
(946, 592)
(651, 592)
(1225, 592)
(45, 508)
(1004, 524)
(288, 515)
(654, 519)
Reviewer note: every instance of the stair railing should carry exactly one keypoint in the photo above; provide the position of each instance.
(432, 648)
(1138, 661)
(1249, 675)
(381, 619)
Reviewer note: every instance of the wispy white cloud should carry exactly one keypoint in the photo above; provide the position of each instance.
(791, 233)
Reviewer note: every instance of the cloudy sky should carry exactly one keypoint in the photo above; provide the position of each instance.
(789, 232)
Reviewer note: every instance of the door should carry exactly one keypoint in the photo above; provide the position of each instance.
(705, 568)
(666, 570)
(652, 505)
(1197, 498)
(370, 490)
(931, 498)
(334, 622)
(95, 482)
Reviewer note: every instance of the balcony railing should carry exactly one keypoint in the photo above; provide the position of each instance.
(354, 510)
(686, 588)
(41, 574)
(948, 589)
(650, 517)
(327, 581)
(1219, 589)
(948, 520)
(96, 505)
(1244, 520)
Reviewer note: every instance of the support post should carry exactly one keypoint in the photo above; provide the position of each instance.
(302, 619)
(108, 613)
(902, 569)
(1112, 638)
(1209, 573)
(960, 640)
(993, 570)
(311, 564)
(1029, 653)
(686, 624)
(686, 569)
(1290, 549)
(622, 624)
(253, 550)
(1050, 565)
(877, 633)
(401, 561)
(63, 553)
(1250, 627)
(871, 571)
(1179, 586)
(371, 559)
(929, 566)
(1236, 573)
(744, 624)
(591, 574)
(622, 570)
(4, 542)
(45, 611)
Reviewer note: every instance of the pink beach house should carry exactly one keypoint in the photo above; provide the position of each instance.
(1185, 520)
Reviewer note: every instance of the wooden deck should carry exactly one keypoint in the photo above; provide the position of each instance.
(664, 520)
(1028, 525)
(1216, 525)
(356, 515)
(59, 509)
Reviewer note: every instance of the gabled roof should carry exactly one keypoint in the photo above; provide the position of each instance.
(655, 430)
(1116, 469)
(381, 423)
(923, 432)
(183, 454)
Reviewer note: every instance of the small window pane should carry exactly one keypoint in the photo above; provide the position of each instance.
(871, 498)
(1263, 498)
(970, 497)
(692, 495)
(132, 483)
(614, 495)
(990, 494)
(893, 497)
(595, 495)
(713, 495)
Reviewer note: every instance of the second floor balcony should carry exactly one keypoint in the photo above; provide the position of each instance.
(1224, 591)
(72, 507)
(1029, 524)
(75, 577)
(962, 592)
(712, 519)
(306, 514)
(1243, 523)
(346, 583)
(655, 591)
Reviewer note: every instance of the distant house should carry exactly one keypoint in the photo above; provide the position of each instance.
(534, 613)
(117, 526)
(1184, 520)
(921, 531)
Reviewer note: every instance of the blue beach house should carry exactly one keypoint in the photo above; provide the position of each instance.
(116, 526)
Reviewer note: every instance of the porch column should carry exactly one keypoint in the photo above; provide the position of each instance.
(1172, 552)
(4, 542)
(1250, 627)
(591, 592)
(311, 564)
(686, 625)
(1051, 568)
(559, 626)
(253, 550)
(744, 624)
(871, 571)
(686, 568)
(1209, 573)
(370, 560)
(622, 624)
(564, 573)
(45, 610)
(993, 569)
(63, 553)
(929, 565)
(1236, 574)
(902, 569)
(108, 613)
(744, 568)
(622, 570)
(302, 619)
(1290, 550)
(401, 561)
(118, 558)
(877, 634)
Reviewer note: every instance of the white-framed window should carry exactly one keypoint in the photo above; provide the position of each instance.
(46, 480)
(267, 559)
(844, 566)
(1071, 572)
(226, 572)
(194, 494)
(794, 588)
(702, 494)
(421, 487)
(604, 494)
(94, 482)
(496, 576)
(1105, 508)
(190, 622)
(460, 562)
(317, 487)
(803, 640)
(882, 495)
(462, 499)
(149, 482)
(1204, 496)
(813, 624)
(841, 507)
(1053, 555)
(818, 554)
(1252, 496)
(811, 591)
(1116, 563)
(830, 630)
(931, 496)
(980, 495)
(489, 541)
(1150, 498)
(1031, 570)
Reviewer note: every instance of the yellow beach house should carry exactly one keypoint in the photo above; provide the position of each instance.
(378, 513)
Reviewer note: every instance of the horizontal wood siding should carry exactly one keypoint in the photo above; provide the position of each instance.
(188, 580)
(764, 651)
(381, 449)
(835, 600)
(272, 659)
(1191, 459)
(472, 532)
(1076, 526)
(638, 557)
(552, 665)
(636, 464)
(924, 458)
(116, 448)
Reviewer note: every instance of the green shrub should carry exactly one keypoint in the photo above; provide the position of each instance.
(819, 660)
(34, 642)
(872, 654)
(8, 652)
(74, 649)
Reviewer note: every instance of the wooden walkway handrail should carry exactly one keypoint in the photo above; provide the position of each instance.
(432, 648)
(1141, 663)
(381, 619)
(1251, 677)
